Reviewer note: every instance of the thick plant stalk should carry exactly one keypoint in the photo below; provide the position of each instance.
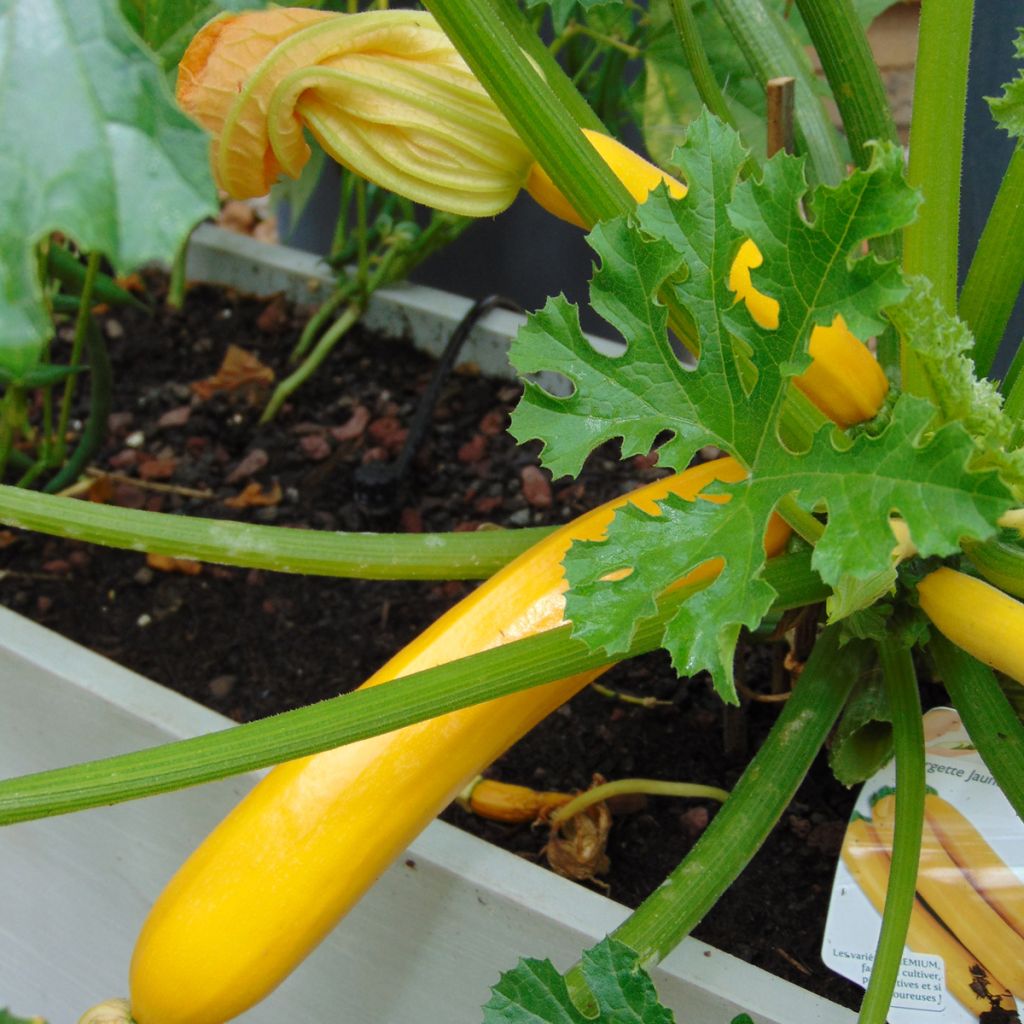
(900, 897)
(754, 806)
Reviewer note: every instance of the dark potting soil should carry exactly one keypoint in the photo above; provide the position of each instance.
(253, 643)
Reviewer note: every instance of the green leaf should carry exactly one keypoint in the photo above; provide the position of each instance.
(812, 245)
(1008, 109)
(113, 164)
(167, 28)
(6, 1017)
(535, 993)
(562, 10)
(862, 741)
(942, 344)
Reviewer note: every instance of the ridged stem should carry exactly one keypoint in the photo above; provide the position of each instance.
(997, 270)
(1000, 563)
(697, 61)
(757, 801)
(990, 720)
(908, 742)
(382, 556)
(354, 716)
(771, 51)
(936, 154)
(628, 787)
(480, 31)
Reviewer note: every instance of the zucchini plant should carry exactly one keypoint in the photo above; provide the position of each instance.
(884, 493)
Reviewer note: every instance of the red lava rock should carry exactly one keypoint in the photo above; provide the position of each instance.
(126, 458)
(467, 527)
(268, 607)
(645, 462)
(571, 492)
(58, 566)
(254, 578)
(154, 503)
(353, 427)
(126, 496)
(252, 462)
(306, 427)
(195, 446)
(411, 520)
(79, 559)
(119, 422)
(220, 572)
(536, 486)
(377, 454)
(43, 604)
(158, 469)
(274, 316)
(473, 450)
(175, 417)
(695, 820)
(315, 447)
(488, 503)
(493, 423)
(387, 432)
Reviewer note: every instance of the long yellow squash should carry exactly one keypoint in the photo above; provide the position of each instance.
(976, 616)
(276, 875)
(966, 977)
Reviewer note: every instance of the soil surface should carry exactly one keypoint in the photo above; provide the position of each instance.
(253, 643)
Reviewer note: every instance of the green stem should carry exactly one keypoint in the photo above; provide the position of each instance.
(81, 327)
(771, 50)
(176, 284)
(1000, 563)
(803, 522)
(852, 74)
(362, 256)
(990, 721)
(563, 89)
(101, 389)
(480, 31)
(287, 387)
(10, 405)
(754, 806)
(386, 556)
(341, 294)
(338, 242)
(936, 154)
(997, 269)
(908, 741)
(624, 787)
(697, 60)
(332, 723)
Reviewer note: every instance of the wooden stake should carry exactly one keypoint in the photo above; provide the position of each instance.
(780, 114)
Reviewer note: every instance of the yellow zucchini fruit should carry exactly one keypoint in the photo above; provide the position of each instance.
(967, 979)
(976, 616)
(298, 852)
(952, 898)
(984, 868)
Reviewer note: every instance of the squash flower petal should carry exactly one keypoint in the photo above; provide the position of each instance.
(384, 92)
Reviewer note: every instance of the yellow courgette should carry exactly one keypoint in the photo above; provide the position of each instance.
(969, 981)
(277, 874)
(976, 616)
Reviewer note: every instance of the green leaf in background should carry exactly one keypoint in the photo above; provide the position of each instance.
(167, 28)
(6, 1017)
(93, 147)
(562, 10)
(535, 993)
(862, 741)
(941, 343)
(1008, 109)
(813, 265)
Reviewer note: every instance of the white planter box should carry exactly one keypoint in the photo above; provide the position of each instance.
(428, 941)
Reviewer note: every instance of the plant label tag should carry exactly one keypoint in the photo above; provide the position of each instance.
(964, 956)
